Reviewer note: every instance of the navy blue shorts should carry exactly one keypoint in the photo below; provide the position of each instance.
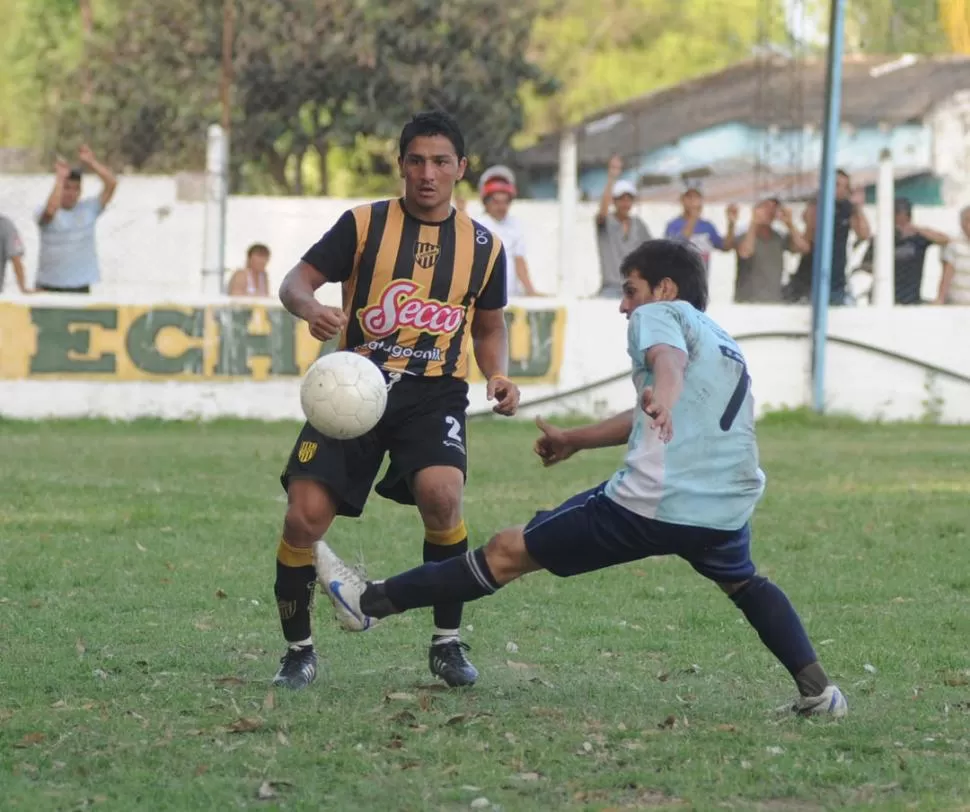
(590, 531)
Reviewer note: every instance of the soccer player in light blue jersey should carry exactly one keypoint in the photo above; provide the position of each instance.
(688, 486)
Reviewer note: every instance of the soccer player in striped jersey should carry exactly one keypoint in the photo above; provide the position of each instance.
(423, 287)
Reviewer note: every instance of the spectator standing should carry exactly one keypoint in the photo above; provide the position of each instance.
(912, 242)
(68, 261)
(497, 189)
(850, 217)
(955, 282)
(253, 280)
(703, 234)
(12, 251)
(761, 253)
(618, 231)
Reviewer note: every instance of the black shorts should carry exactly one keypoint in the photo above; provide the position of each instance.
(590, 531)
(423, 425)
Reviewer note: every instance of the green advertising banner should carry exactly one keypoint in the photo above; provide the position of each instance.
(212, 343)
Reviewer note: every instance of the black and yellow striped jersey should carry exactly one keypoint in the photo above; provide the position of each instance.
(410, 288)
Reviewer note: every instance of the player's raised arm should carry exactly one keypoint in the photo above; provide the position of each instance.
(331, 259)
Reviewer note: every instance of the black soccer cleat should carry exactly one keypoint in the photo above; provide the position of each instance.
(448, 661)
(298, 668)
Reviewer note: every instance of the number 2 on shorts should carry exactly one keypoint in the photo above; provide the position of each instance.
(454, 429)
(737, 397)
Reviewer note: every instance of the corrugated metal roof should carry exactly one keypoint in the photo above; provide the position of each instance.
(762, 92)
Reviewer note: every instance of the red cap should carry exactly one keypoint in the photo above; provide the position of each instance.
(490, 187)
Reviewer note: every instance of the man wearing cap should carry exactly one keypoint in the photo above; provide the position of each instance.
(701, 233)
(618, 231)
(497, 189)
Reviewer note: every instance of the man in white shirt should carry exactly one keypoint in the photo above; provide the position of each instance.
(955, 282)
(68, 261)
(497, 189)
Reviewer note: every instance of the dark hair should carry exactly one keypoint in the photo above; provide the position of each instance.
(257, 248)
(74, 174)
(843, 173)
(434, 122)
(903, 205)
(676, 260)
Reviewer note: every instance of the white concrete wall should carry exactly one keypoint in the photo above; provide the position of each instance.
(857, 382)
(150, 244)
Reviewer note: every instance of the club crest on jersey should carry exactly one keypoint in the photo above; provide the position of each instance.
(426, 254)
(400, 306)
(307, 452)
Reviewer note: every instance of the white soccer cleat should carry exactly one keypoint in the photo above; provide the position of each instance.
(830, 702)
(343, 586)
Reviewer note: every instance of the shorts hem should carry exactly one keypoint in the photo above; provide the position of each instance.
(344, 507)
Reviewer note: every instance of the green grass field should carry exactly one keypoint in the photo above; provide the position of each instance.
(138, 634)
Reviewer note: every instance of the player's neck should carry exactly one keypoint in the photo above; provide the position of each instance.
(438, 214)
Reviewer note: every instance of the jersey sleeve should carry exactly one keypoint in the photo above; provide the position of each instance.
(333, 254)
(655, 324)
(494, 295)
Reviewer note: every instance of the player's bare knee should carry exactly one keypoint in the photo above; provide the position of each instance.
(438, 493)
(309, 513)
(507, 556)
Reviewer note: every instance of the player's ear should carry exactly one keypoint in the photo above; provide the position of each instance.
(400, 166)
(462, 166)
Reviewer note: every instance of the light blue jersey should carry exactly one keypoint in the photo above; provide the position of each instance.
(708, 475)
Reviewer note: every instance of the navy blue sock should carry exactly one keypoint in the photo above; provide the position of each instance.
(771, 614)
(446, 615)
(457, 580)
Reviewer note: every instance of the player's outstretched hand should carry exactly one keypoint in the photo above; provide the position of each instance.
(663, 421)
(505, 392)
(326, 322)
(553, 445)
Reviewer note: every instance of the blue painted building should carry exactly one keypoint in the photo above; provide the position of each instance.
(752, 130)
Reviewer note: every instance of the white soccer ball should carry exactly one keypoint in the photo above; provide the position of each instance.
(343, 395)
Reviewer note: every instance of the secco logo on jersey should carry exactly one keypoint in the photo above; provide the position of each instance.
(399, 307)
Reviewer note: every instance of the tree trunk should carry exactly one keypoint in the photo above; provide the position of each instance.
(300, 154)
(323, 148)
(277, 170)
(87, 27)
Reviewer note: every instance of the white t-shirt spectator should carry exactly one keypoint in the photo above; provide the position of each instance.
(957, 253)
(10, 245)
(68, 254)
(512, 235)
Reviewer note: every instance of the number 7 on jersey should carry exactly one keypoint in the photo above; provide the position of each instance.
(737, 397)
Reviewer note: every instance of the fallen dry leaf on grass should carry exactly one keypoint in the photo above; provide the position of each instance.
(202, 769)
(424, 701)
(399, 696)
(140, 548)
(31, 739)
(79, 647)
(269, 703)
(221, 593)
(225, 681)
(517, 666)
(244, 725)
(282, 738)
(266, 791)
(727, 728)
(526, 776)
(955, 679)
(669, 723)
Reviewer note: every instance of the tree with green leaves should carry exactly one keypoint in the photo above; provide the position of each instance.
(308, 76)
